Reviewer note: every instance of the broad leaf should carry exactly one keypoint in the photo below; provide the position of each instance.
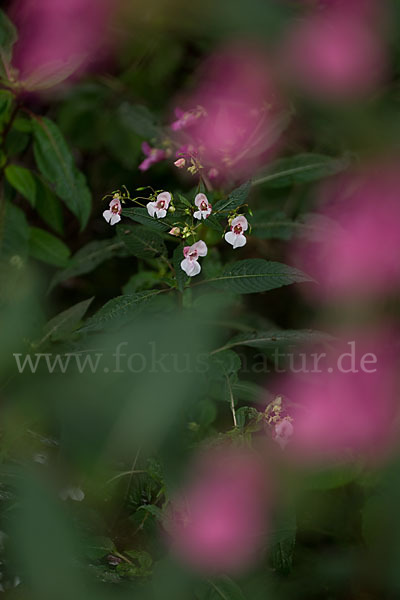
(257, 275)
(87, 259)
(225, 588)
(49, 207)
(139, 119)
(65, 322)
(57, 166)
(302, 168)
(14, 233)
(46, 247)
(119, 310)
(235, 199)
(23, 181)
(141, 242)
(271, 339)
(140, 215)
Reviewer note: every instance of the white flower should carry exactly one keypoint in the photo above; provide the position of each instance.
(192, 253)
(235, 235)
(113, 214)
(205, 208)
(74, 493)
(160, 206)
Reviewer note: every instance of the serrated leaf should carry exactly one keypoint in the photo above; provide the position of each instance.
(302, 168)
(46, 247)
(23, 181)
(273, 225)
(140, 241)
(119, 310)
(234, 200)
(56, 164)
(140, 215)
(87, 259)
(273, 338)
(257, 275)
(65, 322)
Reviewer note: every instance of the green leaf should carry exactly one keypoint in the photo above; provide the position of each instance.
(140, 120)
(257, 275)
(87, 259)
(6, 103)
(181, 277)
(14, 240)
(48, 206)
(282, 540)
(274, 225)
(119, 310)
(46, 247)
(65, 322)
(141, 242)
(224, 364)
(226, 589)
(144, 280)
(235, 199)
(56, 164)
(98, 547)
(23, 181)
(140, 215)
(302, 168)
(8, 36)
(271, 339)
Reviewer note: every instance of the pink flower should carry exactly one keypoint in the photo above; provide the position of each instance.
(335, 55)
(241, 119)
(359, 249)
(186, 118)
(58, 38)
(217, 522)
(154, 155)
(205, 208)
(235, 236)
(160, 206)
(113, 214)
(347, 405)
(192, 254)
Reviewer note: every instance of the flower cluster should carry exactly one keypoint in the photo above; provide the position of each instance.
(160, 203)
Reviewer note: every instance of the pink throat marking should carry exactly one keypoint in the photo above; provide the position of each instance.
(238, 229)
(115, 209)
(161, 203)
(203, 206)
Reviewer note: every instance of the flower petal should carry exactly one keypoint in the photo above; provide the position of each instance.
(107, 214)
(115, 219)
(161, 213)
(239, 241)
(200, 247)
(151, 208)
(230, 237)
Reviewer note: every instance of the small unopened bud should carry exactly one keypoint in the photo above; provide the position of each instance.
(171, 208)
(175, 231)
(180, 163)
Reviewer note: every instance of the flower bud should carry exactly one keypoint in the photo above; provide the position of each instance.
(180, 163)
(175, 231)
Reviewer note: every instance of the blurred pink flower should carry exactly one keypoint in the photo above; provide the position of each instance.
(234, 117)
(153, 156)
(358, 253)
(335, 54)
(217, 523)
(57, 38)
(346, 405)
